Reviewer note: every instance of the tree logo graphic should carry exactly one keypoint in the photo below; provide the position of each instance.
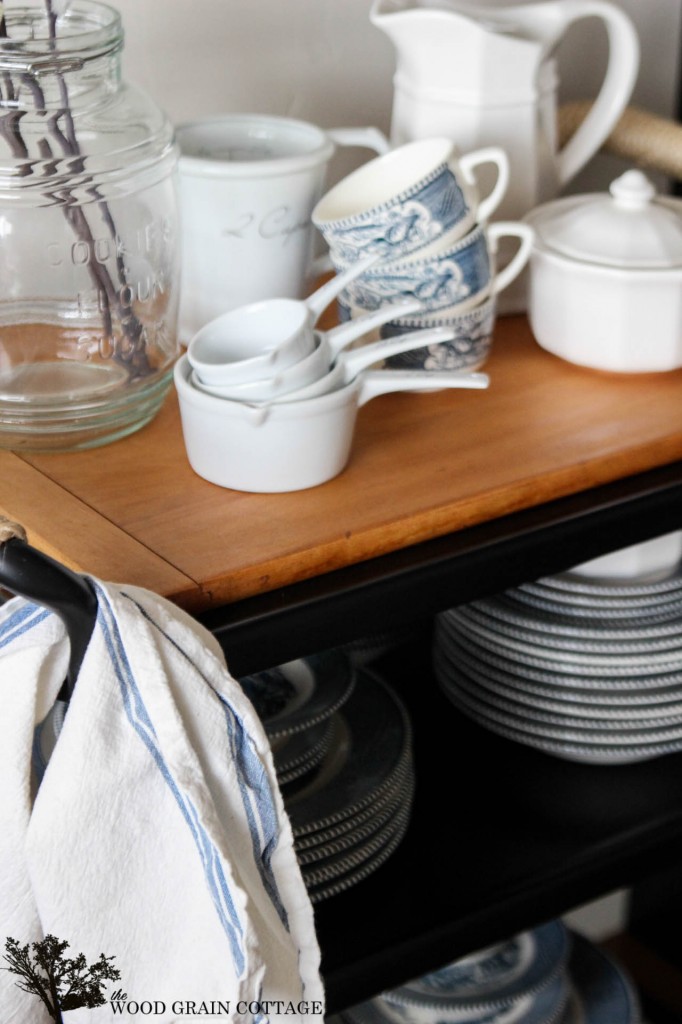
(61, 983)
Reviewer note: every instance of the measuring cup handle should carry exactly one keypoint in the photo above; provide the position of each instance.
(511, 229)
(617, 86)
(358, 358)
(381, 382)
(489, 155)
(366, 138)
(345, 333)
(322, 297)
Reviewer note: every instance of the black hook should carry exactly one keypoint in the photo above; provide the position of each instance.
(34, 575)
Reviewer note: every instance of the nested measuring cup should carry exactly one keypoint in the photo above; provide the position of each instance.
(264, 339)
(288, 446)
(315, 364)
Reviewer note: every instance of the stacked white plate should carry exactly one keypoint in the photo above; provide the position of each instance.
(349, 808)
(544, 976)
(586, 670)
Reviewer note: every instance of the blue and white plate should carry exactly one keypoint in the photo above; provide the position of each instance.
(297, 695)
(538, 963)
(545, 1007)
(602, 993)
(590, 989)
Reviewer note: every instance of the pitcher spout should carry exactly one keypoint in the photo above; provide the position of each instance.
(444, 46)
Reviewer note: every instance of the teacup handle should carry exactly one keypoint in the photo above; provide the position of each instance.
(489, 155)
(366, 138)
(617, 86)
(513, 229)
(381, 382)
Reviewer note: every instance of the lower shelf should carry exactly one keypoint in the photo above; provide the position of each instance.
(501, 838)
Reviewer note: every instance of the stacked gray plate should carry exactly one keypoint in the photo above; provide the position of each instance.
(354, 813)
(544, 976)
(366, 649)
(586, 670)
(350, 808)
(296, 702)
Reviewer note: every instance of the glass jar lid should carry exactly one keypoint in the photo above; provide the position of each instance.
(631, 226)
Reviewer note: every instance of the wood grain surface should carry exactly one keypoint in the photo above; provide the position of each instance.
(422, 465)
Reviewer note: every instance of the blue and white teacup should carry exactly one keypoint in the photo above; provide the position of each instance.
(457, 279)
(467, 350)
(407, 199)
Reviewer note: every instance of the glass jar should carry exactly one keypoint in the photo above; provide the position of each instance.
(89, 259)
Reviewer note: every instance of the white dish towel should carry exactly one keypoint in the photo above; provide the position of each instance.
(157, 835)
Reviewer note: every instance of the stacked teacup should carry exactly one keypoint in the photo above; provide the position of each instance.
(417, 208)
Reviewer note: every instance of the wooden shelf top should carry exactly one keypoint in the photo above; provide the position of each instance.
(422, 465)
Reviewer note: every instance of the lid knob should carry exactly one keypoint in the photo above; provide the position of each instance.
(632, 189)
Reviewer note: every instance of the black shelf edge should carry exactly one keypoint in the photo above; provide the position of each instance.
(388, 591)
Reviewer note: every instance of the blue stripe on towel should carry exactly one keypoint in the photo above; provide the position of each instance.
(254, 784)
(139, 719)
(20, 621)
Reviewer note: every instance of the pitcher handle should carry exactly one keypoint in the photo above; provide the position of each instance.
(616, 89)
(366, 138)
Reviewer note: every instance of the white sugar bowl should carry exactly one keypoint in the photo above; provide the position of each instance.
(605, 287)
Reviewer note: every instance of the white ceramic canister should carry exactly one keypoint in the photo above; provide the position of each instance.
(606, 278)
(248, 183)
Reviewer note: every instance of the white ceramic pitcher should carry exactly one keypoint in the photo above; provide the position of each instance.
(487, 76)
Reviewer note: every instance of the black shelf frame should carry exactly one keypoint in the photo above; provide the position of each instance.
(545, 835)
(388, 591)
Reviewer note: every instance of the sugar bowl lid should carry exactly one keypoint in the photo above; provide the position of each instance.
(631, 226)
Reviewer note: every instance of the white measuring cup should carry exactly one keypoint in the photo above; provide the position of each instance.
(288, 446)
(263, 338)
(326, 346)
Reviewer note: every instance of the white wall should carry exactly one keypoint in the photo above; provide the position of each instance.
(319, 60)
(323, 61)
